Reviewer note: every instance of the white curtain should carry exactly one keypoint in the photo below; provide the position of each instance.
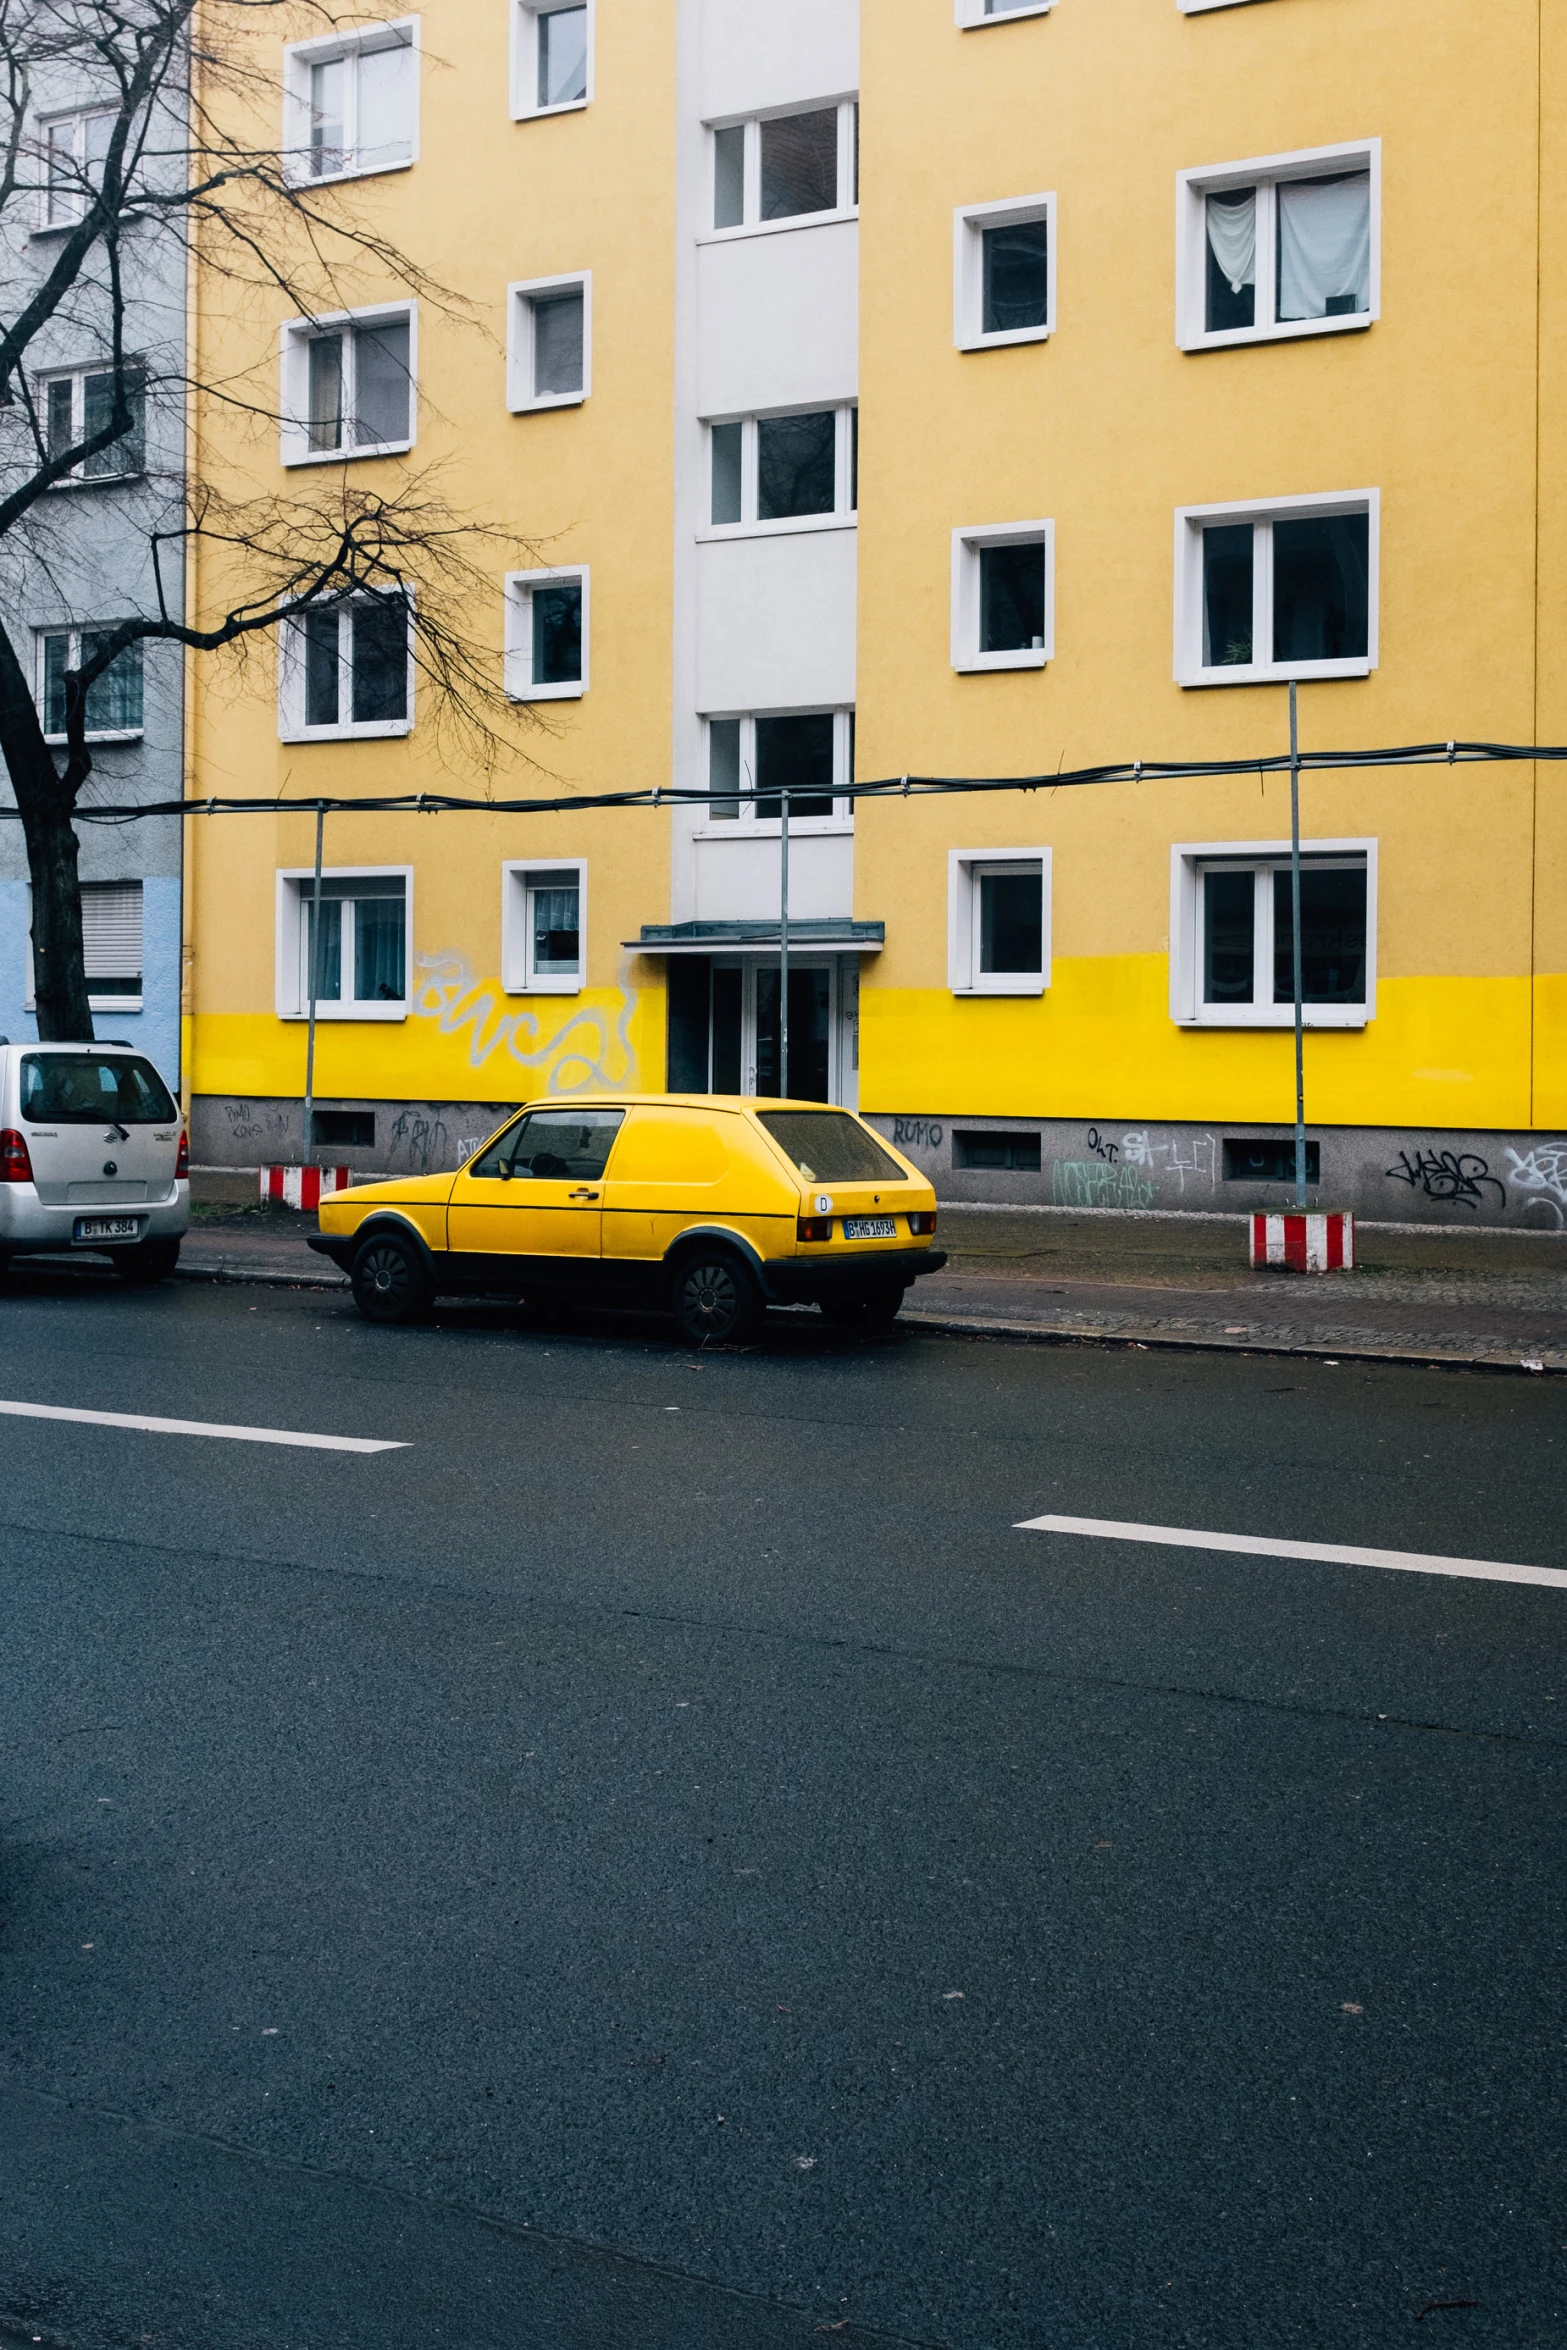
(1324, 246)
(1232, 233)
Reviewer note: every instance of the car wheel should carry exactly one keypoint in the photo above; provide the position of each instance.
(716, 1299)
(390, 1282)
(866, 1309)
(148, 1261)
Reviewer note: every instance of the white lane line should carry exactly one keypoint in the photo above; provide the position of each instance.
(1333, 1554)
(154, 1427)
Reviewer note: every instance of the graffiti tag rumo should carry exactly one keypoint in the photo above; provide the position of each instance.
(588, 1050)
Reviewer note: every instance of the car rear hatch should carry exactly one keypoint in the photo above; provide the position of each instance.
(101, 1129)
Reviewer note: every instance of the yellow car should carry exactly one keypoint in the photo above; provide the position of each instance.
(708, 1206)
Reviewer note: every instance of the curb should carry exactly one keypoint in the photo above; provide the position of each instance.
(1152, 1340)
(1040, 1333)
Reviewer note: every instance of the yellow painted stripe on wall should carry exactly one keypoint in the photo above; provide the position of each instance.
(1101, 1044)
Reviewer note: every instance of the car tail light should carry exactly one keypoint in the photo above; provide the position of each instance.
(922, 1223)
(182, 1163)
(15, 1165)
(815, 1228)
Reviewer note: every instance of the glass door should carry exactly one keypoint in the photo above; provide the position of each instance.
(810, 1030)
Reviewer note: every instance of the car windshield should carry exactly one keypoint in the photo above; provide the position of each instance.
(93, 1089)
(554, 1144)
(828, 1146)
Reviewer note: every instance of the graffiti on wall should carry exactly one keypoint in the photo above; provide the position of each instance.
(577, 1048)
(1452, 1178)
(1195, 1156)
(914, 1134)
(1096, 1183)
(1541, 1173)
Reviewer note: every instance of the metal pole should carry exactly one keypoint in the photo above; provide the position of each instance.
(783, 946)
(1300, 1027)
(315, 990)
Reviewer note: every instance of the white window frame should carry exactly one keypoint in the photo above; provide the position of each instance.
(518, 977)
(965, 869)
(94, 734)
(1190, 522)
(291, 725)
(75, 202)
(525, 16)
(294, 886)
(397, 32)
(518, 633)
(297, 336)
(972, 17)
(76, 377)
(1188, 861)
(967, 542)
(843, 515)
(748, 825)
(1264, 172)
(521, 398)
(969, 223)
(752, 224)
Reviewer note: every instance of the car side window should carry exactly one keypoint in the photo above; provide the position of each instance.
(553, 1146)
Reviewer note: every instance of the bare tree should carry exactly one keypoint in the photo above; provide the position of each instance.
(168, 104)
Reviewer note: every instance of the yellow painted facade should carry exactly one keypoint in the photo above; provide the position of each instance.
(1451, 405)
(1443, 404)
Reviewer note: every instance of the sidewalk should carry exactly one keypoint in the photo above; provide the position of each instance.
(1497, 1298)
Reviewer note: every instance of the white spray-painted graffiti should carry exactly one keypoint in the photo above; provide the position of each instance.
(1197, 1156)
(1543, 1172)
(588, 1050)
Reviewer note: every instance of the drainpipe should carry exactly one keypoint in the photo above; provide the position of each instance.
(783, 945)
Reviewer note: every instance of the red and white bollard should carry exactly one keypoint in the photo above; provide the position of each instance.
(1304, 1243)
(301, 1187)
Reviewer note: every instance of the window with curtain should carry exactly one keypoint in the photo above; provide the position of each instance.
(363, 958)
(355, 105)
(356, 396)
(1284, 251)
(1247, 935)
(350, 664)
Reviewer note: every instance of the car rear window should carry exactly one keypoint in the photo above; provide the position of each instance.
(93, 1089)
(828, 1146)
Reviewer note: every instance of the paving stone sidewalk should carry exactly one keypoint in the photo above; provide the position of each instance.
(1468, 1296)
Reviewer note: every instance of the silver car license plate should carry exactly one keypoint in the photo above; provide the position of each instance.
(870, 1228)
(105, 1228)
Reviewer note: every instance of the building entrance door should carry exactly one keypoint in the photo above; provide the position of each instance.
(723, 1027)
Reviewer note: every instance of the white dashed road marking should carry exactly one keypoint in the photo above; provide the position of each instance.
(154, 1427)
(1333, 1554)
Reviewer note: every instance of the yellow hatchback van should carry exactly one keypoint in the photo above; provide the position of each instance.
(710, 1207)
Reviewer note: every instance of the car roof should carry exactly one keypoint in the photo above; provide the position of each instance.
(684, 1101)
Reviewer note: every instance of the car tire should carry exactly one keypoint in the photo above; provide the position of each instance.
(866, 1310)
(147, 1262)
(390, 1282)
(715, 1298)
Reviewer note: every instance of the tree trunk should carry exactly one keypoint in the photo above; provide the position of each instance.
(46, 800)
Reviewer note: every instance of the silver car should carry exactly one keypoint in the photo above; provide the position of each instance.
(93, 1157)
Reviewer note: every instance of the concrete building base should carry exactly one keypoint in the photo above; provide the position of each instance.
(1388, 1175)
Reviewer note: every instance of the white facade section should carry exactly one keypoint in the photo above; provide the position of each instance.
(767, 320)
(757, 55)
(775, 623)
(778, 318)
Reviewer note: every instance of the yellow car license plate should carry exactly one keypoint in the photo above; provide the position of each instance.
(870, 1228)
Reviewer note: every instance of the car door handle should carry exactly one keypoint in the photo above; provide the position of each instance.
(582, 1195)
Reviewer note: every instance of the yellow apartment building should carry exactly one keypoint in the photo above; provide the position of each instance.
(1184, 373)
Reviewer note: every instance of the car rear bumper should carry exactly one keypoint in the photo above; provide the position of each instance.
(30, 1227)
(807, 1280)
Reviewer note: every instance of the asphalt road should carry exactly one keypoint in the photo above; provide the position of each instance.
(662, 1860)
